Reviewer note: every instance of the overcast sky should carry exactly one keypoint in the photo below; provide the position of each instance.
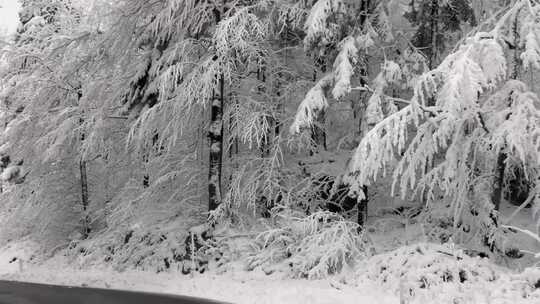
(9, 18)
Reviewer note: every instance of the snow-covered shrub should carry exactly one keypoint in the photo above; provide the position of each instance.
(313, 246)
(423, 265)
(200, 249)
(146, 227)
(155, 248)
(429, 273)
(256, 185)
(10, 173)
(44, 210)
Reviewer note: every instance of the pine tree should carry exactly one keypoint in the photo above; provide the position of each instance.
(41, 95)
(479, 111)
(344, 32)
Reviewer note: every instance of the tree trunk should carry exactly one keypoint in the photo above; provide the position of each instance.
(501, 158)
(216, 147)
(434, 32)
(233, 145)
(279, 108)
(363, 203)
(266, 142)
(363, 208)
(432, 64)
(85, 201)
(497, 191)
(318, 132)
(84, 198)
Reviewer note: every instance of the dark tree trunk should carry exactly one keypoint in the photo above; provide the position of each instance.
(498, 189)
(84, 198)
(364, 11)
(234, 145)
(363, 208)
(500, 169)
(318, 132)
(216, 147)
(279, 109)
(434, 32)
(433, 61)
(363, 204)
(265, 145)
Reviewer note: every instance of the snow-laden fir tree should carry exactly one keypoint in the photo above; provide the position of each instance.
(40, 107)
(478, 113)
(349, 34)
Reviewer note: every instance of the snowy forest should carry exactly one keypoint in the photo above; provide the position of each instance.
(352, 148)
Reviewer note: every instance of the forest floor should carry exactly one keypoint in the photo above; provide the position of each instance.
(402, 253)
(234, 287)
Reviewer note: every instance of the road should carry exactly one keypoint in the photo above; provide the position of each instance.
(29, 293)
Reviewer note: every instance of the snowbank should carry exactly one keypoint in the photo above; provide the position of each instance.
(431, 273)
(235, 287)
(420, 273)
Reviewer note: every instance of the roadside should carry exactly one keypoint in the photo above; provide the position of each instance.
(235, 287)
(402, 264)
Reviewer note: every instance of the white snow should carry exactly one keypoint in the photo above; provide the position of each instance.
(9, 19)
(9, 173)
(235, 287)
(403, 268)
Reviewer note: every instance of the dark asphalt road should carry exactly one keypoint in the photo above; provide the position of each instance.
(28, 293)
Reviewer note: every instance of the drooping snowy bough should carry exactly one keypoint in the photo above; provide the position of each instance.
(465, 113)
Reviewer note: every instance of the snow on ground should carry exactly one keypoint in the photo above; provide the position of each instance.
(22, 261)
(9, 19)
(411, 267)
(415, 261)
(235, 287)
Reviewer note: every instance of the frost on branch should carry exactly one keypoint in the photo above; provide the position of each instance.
(382, 24)
(518, 124)
(316, 27)
(530, 32)
(464, 114)
(365, 41)
(314, 103)
(455, 125)
(343, 67)
(374, 112)
(390, 74)
(237, 35)
(184, 80)
(455, 85)
(413, 64)
(378, 148)
(489, 55)
(314, 247)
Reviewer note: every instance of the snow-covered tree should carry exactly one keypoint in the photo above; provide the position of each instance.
(133, 129)
(479, 112)
(349, 34)
(40, 108)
